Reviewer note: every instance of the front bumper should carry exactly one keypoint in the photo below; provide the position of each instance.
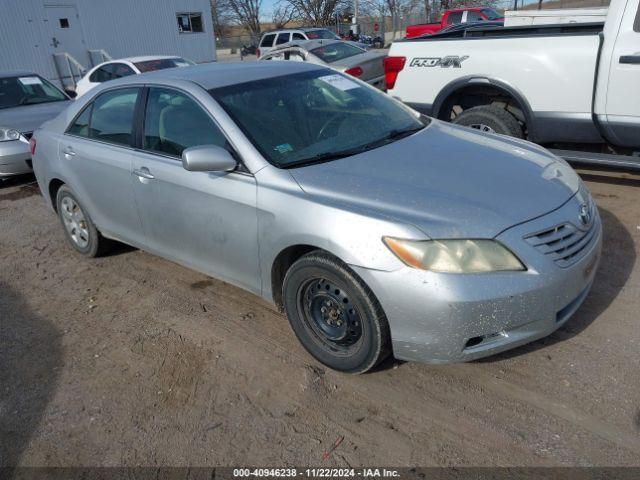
(444, 318)
(15, 158)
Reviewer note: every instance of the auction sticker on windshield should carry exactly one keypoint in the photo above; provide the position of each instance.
(339, 82)
(30, 80)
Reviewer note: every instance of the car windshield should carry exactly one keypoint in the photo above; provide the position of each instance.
(336, 51)
(320, 34)
(491, 14)
(163, 63)
(28, 90)
(316, 116)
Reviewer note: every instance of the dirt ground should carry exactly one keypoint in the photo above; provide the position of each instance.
(133, 360)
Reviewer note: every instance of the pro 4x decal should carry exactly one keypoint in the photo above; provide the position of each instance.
(454, 61)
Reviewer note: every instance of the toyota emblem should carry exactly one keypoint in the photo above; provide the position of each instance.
(585, 214)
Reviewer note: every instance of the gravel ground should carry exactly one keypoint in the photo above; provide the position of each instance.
(133, 360)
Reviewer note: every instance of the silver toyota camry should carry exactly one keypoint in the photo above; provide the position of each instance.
(377, 230)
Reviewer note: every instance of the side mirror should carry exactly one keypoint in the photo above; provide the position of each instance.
(208, 158)
(71, 93)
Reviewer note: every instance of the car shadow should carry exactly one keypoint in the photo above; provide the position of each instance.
(17, 180)
(616, 265)
(30, 361)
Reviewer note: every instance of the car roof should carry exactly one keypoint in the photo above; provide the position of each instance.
(214, 75)
(297, 29)
(16, 73)
(142, 58)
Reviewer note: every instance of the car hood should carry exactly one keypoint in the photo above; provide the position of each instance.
(448, 181)
(29, 117)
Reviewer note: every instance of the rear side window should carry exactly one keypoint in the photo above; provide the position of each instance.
(174, 122)
(267, 41)
(101, 75)
(297, 36)
(283, 38)
(112, 116)
(80, 126)
(111, 71)
(455, 17)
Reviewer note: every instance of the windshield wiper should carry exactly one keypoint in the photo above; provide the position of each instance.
(328, 156)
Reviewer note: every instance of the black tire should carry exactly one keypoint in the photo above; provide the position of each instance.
(96, 244)
(352, 335)
(497, 119)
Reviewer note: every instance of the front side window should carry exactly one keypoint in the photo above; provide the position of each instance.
(174, 122)
(267, 40)
(189, 22)
(455, 17)
(28, 90)
(282, 38)
(111, 118)
(309, 117)
(336, 51)
(297, 36)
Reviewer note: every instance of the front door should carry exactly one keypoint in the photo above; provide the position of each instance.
(623, 101)
(66, 32)
(205, 220)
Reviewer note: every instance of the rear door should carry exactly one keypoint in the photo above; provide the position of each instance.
(267, 43)
(97, 147)
(207, 221)
(623, 101)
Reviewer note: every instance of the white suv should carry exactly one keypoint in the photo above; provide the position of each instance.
(278, 37)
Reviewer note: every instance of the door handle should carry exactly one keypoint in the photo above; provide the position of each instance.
(630, 59)
(144, 173)
(68, 151)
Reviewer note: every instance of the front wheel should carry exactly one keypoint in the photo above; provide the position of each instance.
(490, 119)
(334, 314)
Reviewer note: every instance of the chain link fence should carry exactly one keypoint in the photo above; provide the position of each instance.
(390, 29)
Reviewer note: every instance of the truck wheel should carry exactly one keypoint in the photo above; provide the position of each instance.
(492, 119)
(334, 314)
(78, 226)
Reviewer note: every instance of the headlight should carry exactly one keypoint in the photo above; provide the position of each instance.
(454, 256)
(8, 134)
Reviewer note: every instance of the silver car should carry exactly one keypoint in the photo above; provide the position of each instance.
(376, 230)
(367, 66)
(26, 101)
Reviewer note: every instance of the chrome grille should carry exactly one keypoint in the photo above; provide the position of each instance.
(566, 243)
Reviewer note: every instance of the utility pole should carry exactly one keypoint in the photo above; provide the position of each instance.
(354, 26)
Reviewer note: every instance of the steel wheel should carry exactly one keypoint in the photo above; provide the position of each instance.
(482, 127)
(329, 313)
(74, 222)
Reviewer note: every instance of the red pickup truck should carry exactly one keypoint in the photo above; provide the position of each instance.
(453, 17)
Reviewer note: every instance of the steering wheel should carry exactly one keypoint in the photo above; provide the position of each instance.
(327, 124)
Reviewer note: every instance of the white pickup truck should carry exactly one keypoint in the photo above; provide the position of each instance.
(574, 87)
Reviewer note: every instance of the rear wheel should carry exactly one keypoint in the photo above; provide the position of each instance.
(334, 314)
(78, 226)
(491, 119)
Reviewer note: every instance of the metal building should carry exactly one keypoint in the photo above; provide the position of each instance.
(60, 38)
